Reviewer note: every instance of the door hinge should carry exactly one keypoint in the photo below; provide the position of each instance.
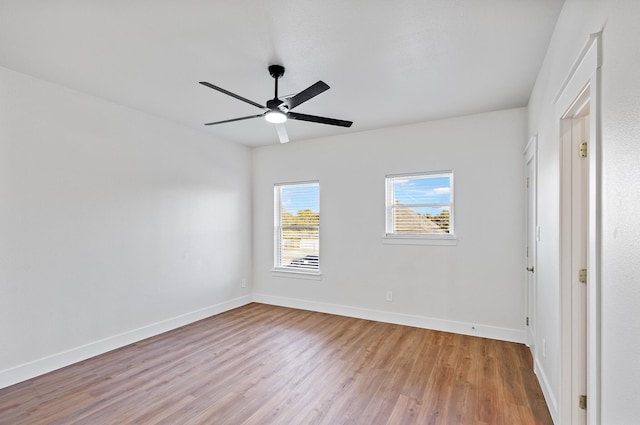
(527, 182)
(582, 402)
(527, 252)
(582, 276)
(526, 320)
(583, 150)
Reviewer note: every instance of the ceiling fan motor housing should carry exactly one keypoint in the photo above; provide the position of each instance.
(274, 103)
(276, 71)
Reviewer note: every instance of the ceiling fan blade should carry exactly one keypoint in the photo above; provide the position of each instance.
(321, 120)
(282, 133)
(234, 119)
(306, 94)
(227, 92)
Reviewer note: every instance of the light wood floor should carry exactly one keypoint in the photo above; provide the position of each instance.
(262, 364)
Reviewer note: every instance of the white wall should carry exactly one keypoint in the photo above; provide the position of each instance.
(620, 135)
(114, 225)
(478, 282)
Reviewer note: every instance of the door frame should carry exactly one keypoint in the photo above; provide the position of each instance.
(585, 73)
(573, 252)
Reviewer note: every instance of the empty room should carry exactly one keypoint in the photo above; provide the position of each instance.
(306, 212)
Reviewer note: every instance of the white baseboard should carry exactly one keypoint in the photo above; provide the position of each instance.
(47, 364)
(484, 331)
(56, 361)
(552, 403)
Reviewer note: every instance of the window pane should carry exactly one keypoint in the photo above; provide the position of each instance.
(298, 240)
(422, 190)
(420, 204)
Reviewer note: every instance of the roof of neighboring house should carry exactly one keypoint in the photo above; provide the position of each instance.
(410, 222)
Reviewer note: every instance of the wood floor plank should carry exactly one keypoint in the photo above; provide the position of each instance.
(262, 364)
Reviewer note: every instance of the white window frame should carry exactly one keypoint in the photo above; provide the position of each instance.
(418, 238)
(277, 236)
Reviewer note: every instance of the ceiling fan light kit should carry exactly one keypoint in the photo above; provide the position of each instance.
(275, 117)
(277, 110)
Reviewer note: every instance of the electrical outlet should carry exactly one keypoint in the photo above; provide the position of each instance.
(389, 295)
(243, 283)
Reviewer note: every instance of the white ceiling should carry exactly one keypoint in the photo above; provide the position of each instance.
(387, 62)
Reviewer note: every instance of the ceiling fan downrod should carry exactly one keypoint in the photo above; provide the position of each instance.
(276, 71)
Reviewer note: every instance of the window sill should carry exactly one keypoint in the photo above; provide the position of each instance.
(419, 240)
(296, 274)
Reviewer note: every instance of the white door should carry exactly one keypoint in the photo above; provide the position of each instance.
(531, 204)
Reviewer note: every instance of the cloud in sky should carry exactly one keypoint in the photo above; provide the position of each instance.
(441, 190)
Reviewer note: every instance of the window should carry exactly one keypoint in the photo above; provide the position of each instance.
(420, 205)
(297, 227)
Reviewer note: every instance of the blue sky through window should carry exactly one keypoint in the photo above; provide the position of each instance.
(423, 190)
(300, 197)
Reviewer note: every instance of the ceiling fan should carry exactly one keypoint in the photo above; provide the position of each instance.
(278, 110)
